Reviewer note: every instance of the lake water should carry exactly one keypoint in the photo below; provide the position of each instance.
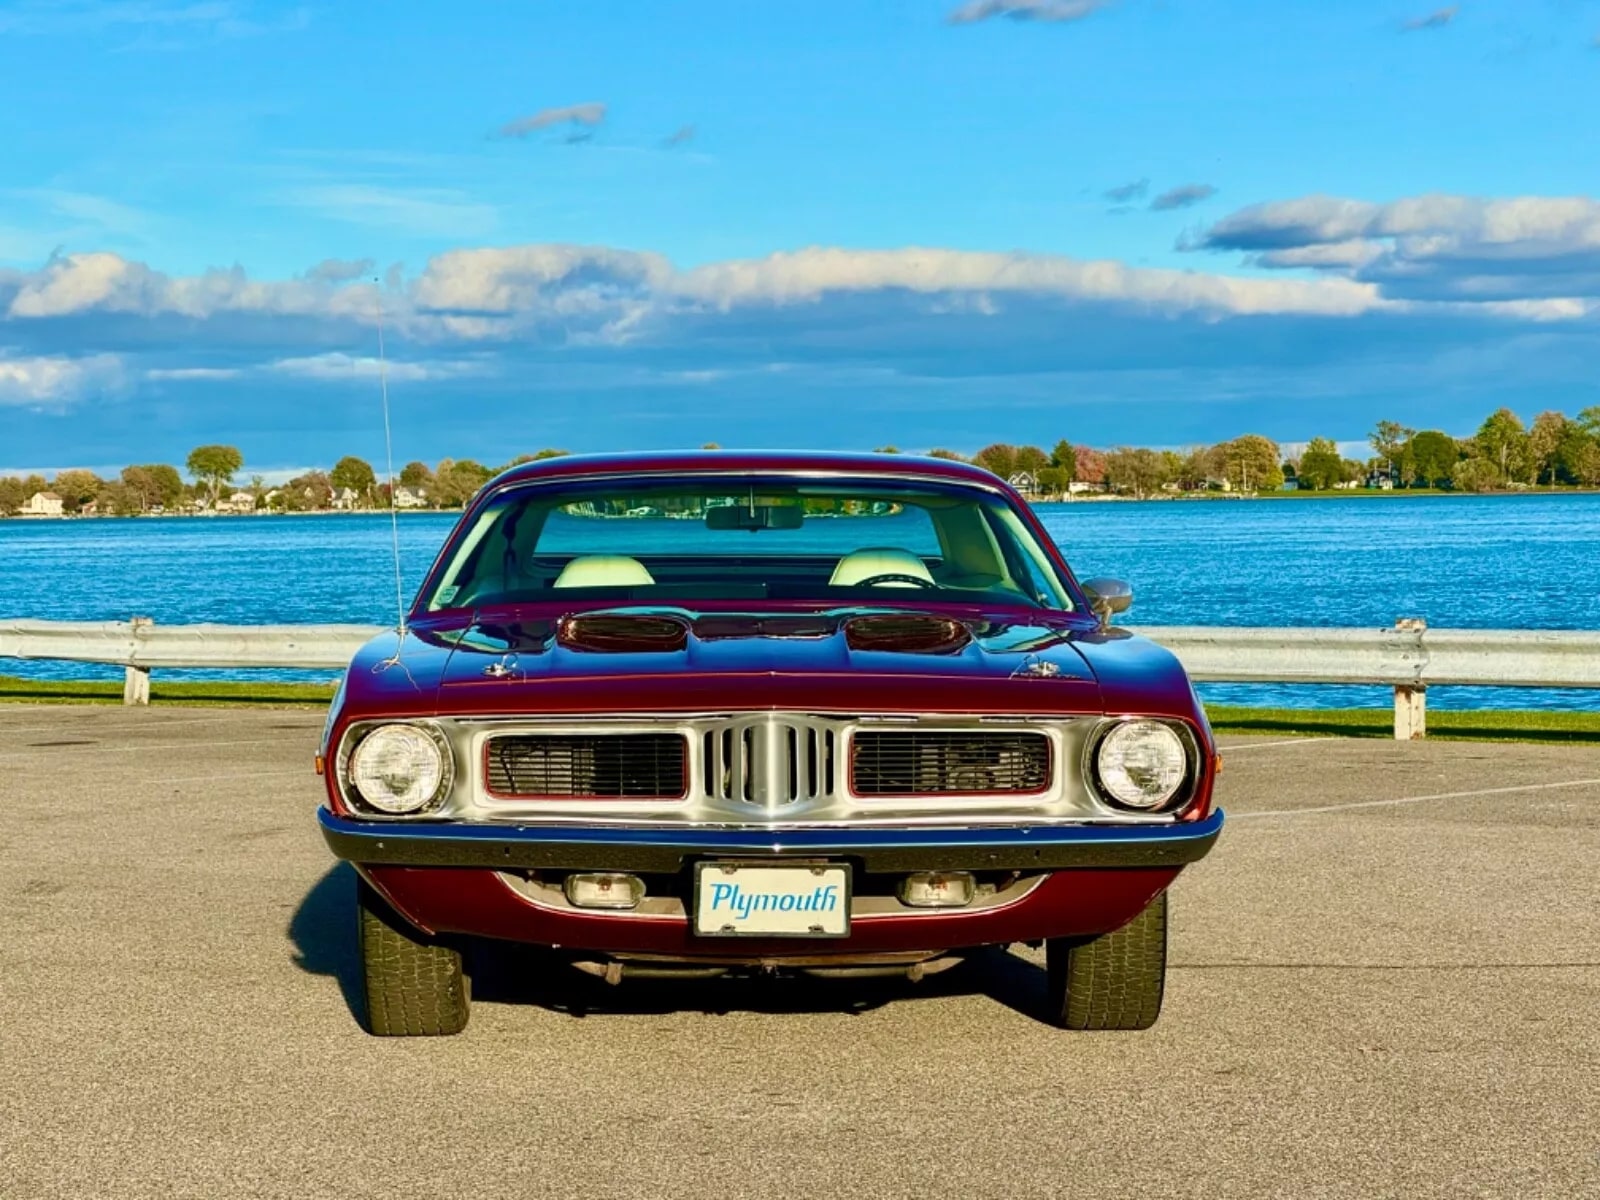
(1493, 562)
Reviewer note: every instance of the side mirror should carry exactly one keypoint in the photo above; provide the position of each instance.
(1107, 597)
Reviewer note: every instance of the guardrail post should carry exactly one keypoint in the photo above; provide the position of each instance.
(136, 680)
(1411, 700)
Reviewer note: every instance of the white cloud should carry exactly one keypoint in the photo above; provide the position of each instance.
(1284, 223)
(87, 281)
(1437, 19)
(1430, 247)
(338, 367)
(806, 275)
(1356, 252)
(340, 270)
(102, 282)
(194, 374)
(47, 381)
(487, 293)
(1026, 10)
(557, 278)
(589, 115)
(1185, 195)
(1452, 258)
(573, 293)
(1558, 222)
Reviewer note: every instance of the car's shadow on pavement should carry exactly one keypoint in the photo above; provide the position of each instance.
(323, 930)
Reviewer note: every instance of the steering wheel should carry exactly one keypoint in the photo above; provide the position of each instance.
(895, 577)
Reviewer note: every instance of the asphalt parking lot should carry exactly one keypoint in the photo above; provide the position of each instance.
(1386, 982)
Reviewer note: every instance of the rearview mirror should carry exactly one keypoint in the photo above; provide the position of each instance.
(760, 516)
(1108, 597)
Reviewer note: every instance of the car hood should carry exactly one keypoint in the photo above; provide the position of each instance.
(677, 660)
(660, 659)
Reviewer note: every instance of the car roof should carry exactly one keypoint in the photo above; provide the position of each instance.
(752, 461)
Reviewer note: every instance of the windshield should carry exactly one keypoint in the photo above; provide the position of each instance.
(770, 538)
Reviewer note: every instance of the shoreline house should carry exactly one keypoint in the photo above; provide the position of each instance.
(405, 497)
(1025, 482)
(42, 504)
(239, 502)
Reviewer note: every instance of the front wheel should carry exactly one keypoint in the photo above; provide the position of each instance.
(1113, 981)
(414, 987)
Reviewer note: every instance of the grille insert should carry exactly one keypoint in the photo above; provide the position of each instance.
(616, 766)
(768, 761)
(979, 763)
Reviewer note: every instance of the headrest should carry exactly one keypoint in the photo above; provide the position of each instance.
(603, 570)
(865, 563)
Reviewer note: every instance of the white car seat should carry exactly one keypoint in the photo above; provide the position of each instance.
(878, 560)
(603, 570)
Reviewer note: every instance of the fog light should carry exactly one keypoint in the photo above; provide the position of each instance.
(938, 889)
(604, 890)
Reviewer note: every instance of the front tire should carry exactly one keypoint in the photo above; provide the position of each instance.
(1114, 981)
(413, 987)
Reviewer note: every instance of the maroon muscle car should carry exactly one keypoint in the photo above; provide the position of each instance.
(728, 712)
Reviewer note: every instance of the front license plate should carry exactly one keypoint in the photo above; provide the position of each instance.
(750, 900)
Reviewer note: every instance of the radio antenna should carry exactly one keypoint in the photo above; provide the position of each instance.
(388, 453)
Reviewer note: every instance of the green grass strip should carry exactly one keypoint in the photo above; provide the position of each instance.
(175, 692)
(1536, 725)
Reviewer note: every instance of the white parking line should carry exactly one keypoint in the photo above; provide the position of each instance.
(1499, 791)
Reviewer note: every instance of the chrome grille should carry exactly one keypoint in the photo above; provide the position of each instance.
(776, 767)
(948, 763)
(617, 766)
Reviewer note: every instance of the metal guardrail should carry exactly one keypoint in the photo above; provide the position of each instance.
(1409, 657)
(140, 645)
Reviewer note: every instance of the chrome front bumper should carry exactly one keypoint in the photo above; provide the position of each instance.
(547, 846)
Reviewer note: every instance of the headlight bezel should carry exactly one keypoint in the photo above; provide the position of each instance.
(1175, 802)
(358, 734)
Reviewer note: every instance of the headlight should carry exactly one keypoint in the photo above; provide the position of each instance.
(1141, 764)
(399, 769)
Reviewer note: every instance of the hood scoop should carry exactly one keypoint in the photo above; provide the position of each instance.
(907, 633)
(623, 633)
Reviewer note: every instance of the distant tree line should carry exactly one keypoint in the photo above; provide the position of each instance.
(1554, 451)
(214, 485)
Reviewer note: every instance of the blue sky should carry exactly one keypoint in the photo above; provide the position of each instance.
(612, 225)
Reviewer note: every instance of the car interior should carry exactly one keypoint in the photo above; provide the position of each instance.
(957, 546)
